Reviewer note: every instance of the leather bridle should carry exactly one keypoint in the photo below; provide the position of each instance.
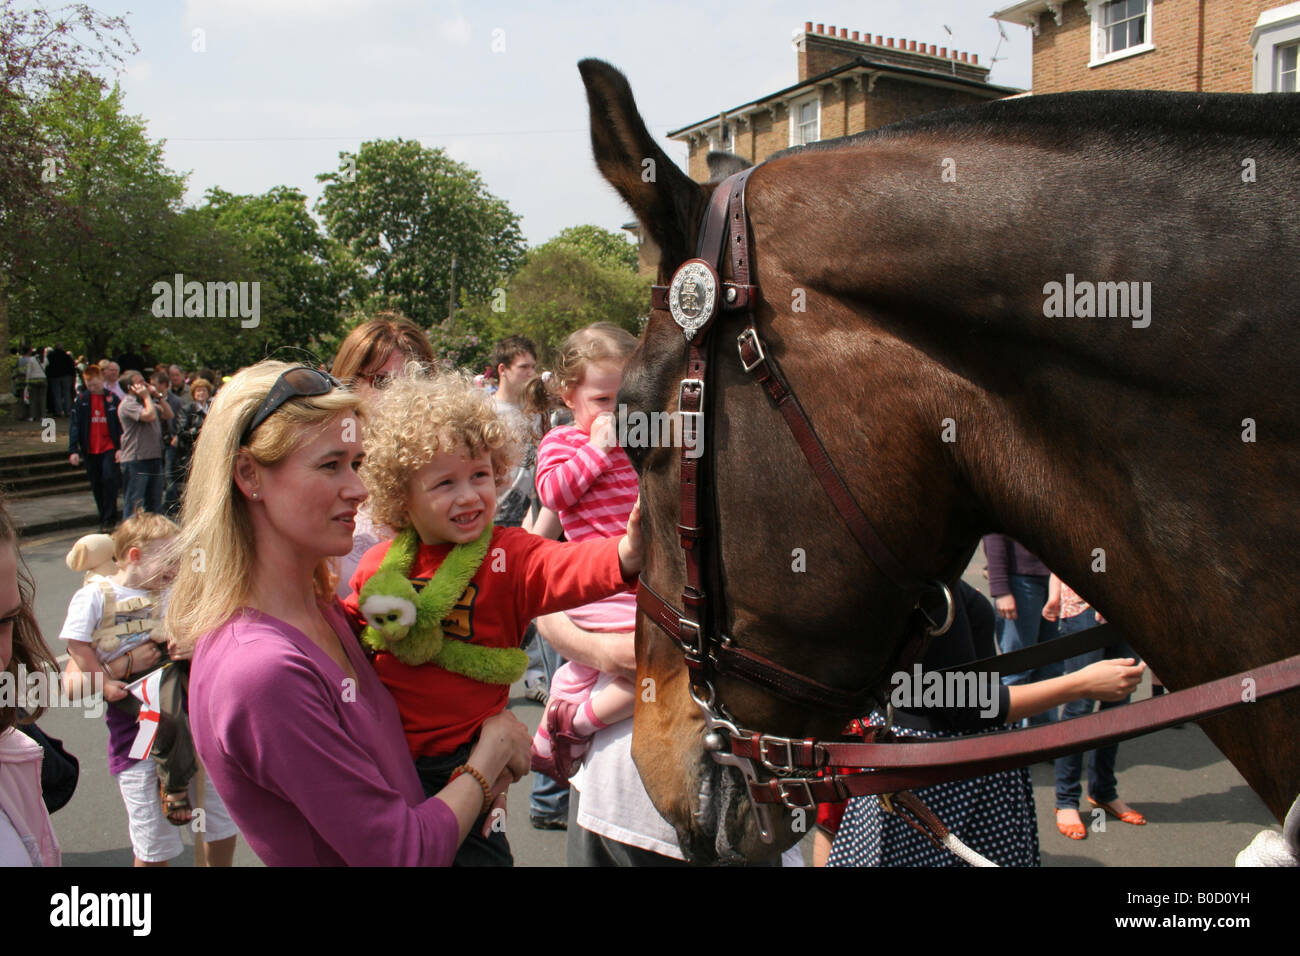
(805, 772)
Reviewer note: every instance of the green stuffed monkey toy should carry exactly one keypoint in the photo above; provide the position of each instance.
(409, 624)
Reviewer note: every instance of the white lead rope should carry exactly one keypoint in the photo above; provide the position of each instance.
(1270, 848)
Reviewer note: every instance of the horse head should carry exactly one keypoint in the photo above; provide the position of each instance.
(791, 583)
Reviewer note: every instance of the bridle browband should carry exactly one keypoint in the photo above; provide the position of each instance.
(805, 772)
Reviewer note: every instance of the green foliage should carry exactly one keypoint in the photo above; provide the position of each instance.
(406, 213)
(306, 279)
(557, 290)
(116, 226)
(608, 248)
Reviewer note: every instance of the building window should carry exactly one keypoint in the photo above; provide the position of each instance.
(805, 121)
(1120, 28)
(1286, 68)
(1276, 41)
(724, 139)
(1124, 24)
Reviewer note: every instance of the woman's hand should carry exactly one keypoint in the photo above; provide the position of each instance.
(178, 651)
(503, 747)
(630, 545)
(1052, 609)
(114, 690)
(1111, 680)
(1006, 606)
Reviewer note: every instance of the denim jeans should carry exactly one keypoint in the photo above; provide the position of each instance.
(549, 799)
(144, 486)
(1029, 628)
(104, 481)
(1101, 762)
(476, 849)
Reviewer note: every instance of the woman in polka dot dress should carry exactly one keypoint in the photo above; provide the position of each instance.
(993, 815)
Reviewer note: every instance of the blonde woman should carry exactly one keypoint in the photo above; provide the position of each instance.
(290, 720)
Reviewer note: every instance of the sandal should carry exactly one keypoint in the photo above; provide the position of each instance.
(1128, 816)
(176, 807)
(1075, 831)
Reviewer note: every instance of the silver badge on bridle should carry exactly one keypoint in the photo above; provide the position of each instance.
(693, 296)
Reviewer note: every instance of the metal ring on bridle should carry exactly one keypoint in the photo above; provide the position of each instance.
(934, 630)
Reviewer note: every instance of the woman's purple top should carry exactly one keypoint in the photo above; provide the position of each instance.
(314, 769)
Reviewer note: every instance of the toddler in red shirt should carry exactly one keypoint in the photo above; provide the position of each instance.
(447, 644)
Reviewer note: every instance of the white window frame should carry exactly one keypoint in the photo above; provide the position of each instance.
(1099, 55)
(1275, 30)
(793, 109)
(716, 141)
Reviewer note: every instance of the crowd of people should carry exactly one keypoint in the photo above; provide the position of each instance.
(385, 548)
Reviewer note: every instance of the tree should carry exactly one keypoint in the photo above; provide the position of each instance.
(601, 245)
(421, 225)
(112, 226)
(307, 280)
(560, 288)
(39, 51)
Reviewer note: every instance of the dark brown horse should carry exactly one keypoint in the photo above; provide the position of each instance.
(958, 395)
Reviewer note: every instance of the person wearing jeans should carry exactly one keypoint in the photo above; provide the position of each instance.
(1102, 792)
(1018, 584)
(142, 414)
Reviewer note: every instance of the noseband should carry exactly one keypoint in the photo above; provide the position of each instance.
(805, 772)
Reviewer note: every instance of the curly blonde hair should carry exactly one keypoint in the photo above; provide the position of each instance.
(599, 342)
(419, 416)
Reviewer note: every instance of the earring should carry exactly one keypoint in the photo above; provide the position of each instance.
(255, 496)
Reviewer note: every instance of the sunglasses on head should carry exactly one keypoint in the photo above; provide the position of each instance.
(297, 382)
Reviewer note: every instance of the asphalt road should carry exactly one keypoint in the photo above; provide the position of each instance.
(1201, 812)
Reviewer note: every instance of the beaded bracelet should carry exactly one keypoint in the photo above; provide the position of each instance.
(482, 782)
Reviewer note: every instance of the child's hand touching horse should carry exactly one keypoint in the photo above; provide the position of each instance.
(629, 548)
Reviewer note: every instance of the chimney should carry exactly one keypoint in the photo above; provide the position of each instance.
(890, 41)
(963, 56)
(933, 49)
(831, 31)
(943, 52)
(855, 36)
(844, 33)
(975, 58)
(912, 48)
(821, 28)
(807, 26)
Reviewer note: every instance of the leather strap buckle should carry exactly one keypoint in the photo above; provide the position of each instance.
(785, 787)
(694, 384)
(750, 337)
(767, 762)
(696, 647)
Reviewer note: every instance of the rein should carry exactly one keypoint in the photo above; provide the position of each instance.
(803, 772)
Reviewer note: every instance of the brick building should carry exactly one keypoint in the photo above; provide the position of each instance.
(847, 83)
(1212, 46)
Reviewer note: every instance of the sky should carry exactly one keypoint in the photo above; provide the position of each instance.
(280, 87)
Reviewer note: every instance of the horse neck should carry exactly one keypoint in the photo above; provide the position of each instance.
(1085, 438)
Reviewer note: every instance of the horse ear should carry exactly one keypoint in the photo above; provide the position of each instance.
(722, 165)
(666, 201)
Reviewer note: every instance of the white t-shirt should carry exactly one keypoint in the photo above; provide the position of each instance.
(87, 607)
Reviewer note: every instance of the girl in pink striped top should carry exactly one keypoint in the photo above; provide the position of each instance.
(589, 482)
